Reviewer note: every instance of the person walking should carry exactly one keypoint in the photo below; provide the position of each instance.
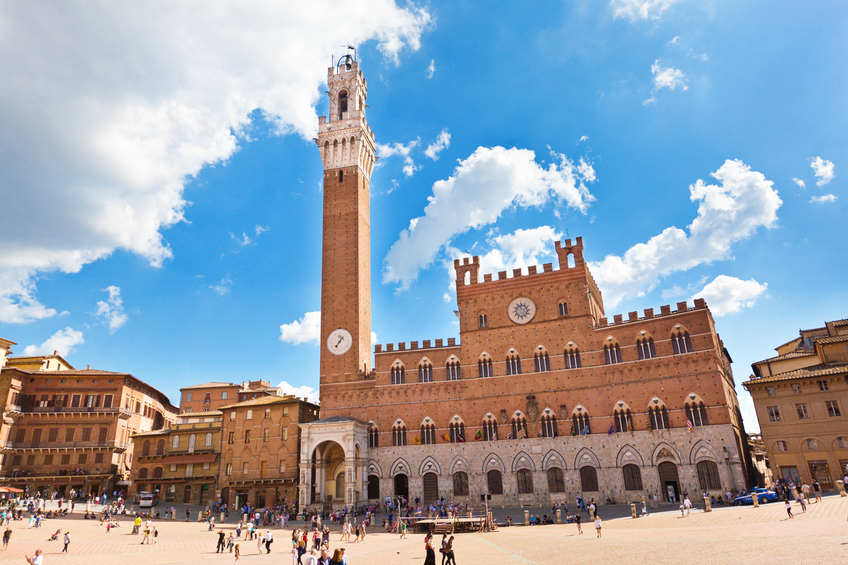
(7, 535)
(269, 539)
(802, 502)
(237, 554)
(788, 506)
(430, 553)
(577, 519)
(220, 547)
(444, 548)
(687, 504)
(817, 489)
(146, 537)
(230, 542)
(259, 542)
(449, 552)
(598, 524)
(36, 559)
(403, 530)
(67, 542)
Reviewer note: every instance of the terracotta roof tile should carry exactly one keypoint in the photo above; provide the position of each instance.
(832, 339)
(806, 372)
(262, 401)
(790, 355)
(210, 385)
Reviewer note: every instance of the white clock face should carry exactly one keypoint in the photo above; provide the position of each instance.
(521, 310)
(339, 341)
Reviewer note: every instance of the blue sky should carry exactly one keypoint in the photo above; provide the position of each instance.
(162, 195)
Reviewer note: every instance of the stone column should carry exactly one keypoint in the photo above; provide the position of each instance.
(559, 516)
(755, 499)
(633, 510)
(526, 517)
(840, 486)
(350, 482)
(708, 504)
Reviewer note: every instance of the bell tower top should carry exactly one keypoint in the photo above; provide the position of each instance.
(344, 138)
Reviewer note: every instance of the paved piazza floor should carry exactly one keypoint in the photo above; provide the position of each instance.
(726, 535)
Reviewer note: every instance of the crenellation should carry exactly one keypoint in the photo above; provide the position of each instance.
(665, 309)
(531, 270)
(548, 267)
(682, 306)
(649, 313)
(617, 319)
(632, 316)
(501, 275)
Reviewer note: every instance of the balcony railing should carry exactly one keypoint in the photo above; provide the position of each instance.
(64, 444)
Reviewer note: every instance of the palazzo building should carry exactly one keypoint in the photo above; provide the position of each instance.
(801, 398)
(541, 399)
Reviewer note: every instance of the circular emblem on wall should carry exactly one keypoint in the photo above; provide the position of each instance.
(521, 310)
(339, 341)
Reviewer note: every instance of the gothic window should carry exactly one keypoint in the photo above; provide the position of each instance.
(398, 375)
(549, 426)
(646, 349)
(485, 367)
(543, 364)
(708, 475)
(483, 321)
(623, 420)
(572, 359)
(490, 430)
(342, 103)
(580, 424)
(658, 416)
(612, 354)
(428, 434)
(460, 483)
(563, 309)
(632, 477)
(513, 364)
(556, 482)
(425, 373)
(680, 342)
(524, 478)
(494, 481)
(696, 413)
(453, 370)
(519, 427)
(399, 435)
(373, 437)
(457, 432)
(589, 479)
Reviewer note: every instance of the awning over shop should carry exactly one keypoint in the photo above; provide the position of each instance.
(197, 458)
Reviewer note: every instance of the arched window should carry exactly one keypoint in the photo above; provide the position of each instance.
(612, 354)
(580, 423)
(658, 417)
(572, 358)
(208, 442)
(425, 372)
(513, 364)
(524, 478)
(399, 435)
(708, 475)
(428, 434)
(563, 308)
(696, 413)
(457, 432)
(589, 479)
(519, 427)
(145, 448)
(453, 371)
(645, 347)
(175, 442)
(494, 482)
(680, 341)
(556, 482)
(398, 375)
(623, 420)
(373, 437)
(485, 366)
(543, 364)
(483, 321)
(342, 103)
(460, 483)
(632, 477)
(160, 447)
(549, 425)
(191, 441)
(142, 473)
(490, 429)
(157, 473)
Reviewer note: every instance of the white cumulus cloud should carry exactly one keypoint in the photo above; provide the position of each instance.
(825, 199)
(305, 330)
(728, 212)
(303, 391)
(640, 9)
(729, 295)
(442, 142)
(431, 69)
(485, 184)
(823, 170)
(108, 108)
(665, 77)
(405, 151)
(111, 312)
(799, 182)
(62, 341)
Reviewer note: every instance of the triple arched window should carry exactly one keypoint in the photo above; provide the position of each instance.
(645, 347)
(513, 364)
(572, 358)
(543, 363)
(549, 426)
(398, 375)
(485, 367)
(453, 371)
(373, 437)
(519, 427)
(457, 432)
(658, 418)
(490, 430)
(399, 435)
(623, 420)
(696, 413)
(428, 434)
(612, 354)
(580, 424)
(425, 373)
(680, 342)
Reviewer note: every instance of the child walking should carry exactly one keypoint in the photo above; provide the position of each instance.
(788, 506)
(598, 524)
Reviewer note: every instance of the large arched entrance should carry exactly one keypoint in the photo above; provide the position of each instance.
(669, 481)
(373, 487)
(330, 474)
(402, 486)
(431, 488)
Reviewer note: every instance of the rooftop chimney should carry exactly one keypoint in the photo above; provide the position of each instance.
(88, 367)
(55, 352)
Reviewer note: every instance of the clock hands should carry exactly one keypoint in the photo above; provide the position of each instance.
(341, 339)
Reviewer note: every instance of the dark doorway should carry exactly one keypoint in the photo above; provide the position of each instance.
(669, 481)
(431, 488)
(373, 487)
(402, 486)
(187, 495)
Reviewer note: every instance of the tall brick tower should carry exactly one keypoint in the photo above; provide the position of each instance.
(346, 144)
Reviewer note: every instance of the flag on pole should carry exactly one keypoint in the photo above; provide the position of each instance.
(446, 437)
(509, 435)
(417, 440)
(459, 438)
(479, 435)
(611, 430)
(649, 425)
(585, 430)
(574, 433)
(689, 425)
(629, 427)
(495, 436)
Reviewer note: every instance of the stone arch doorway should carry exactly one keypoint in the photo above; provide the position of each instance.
(431, 488)
(187, 495)
(329, 479)
(669, 481)
(373, 487)
(402, 486)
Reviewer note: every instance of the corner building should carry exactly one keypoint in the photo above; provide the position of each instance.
(541, 400)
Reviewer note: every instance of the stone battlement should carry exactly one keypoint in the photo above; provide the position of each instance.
(665, 310)
(426, 344)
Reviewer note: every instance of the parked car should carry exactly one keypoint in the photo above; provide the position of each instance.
(764, 495)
